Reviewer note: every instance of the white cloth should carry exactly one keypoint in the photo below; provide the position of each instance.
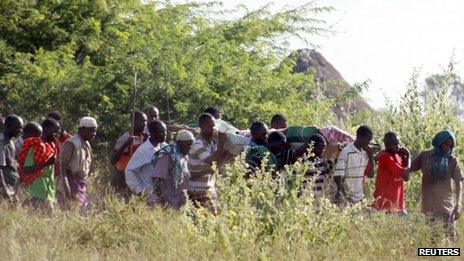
(351, 165)
(224, 126)
(139, 171)
(88, 122)
(236, 143)
(185, 135)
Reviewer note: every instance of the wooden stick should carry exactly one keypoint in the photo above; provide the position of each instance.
(134, 94)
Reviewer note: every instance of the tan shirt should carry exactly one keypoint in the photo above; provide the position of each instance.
(437, 198)
(76, 157)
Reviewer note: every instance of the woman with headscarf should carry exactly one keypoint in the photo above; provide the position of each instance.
(440, 171)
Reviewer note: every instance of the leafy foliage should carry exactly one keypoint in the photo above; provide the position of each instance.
(80, 57)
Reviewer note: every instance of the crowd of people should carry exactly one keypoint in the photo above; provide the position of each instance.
(51, 167)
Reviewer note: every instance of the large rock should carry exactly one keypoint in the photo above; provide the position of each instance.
(326, 74)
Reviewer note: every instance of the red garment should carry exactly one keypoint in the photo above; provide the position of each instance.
(64, 137)
(389, 185)
(42, 153)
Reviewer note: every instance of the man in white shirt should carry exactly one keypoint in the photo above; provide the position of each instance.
(352, 165)
(139, 172)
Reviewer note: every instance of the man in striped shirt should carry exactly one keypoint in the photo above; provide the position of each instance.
(352, 166)
(206, 150)
(320, 168)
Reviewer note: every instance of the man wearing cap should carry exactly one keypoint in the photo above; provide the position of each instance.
(139, 173)
(75, 162)
(171, 173)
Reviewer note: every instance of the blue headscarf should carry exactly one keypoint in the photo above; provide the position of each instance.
(440, 169)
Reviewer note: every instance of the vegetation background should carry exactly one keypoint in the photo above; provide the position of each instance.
(80, 57)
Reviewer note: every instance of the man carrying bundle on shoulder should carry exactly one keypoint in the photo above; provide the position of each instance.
(207, 150)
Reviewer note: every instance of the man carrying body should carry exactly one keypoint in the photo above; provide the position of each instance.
(278, 122)
(206, 150)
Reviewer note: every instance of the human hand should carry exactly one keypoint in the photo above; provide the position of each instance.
(50, 161)
(404, 151)
(457, 212)
(406, 175)
(222, 136)
(129, 141)
(64, 184)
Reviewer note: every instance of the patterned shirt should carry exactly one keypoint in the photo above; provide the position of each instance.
(351, 165)
(200, 152)
(318, 174)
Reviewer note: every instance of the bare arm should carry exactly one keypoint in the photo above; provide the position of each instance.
(371, 162)
(339, 181)
(33, 168)
(117, 153)
(220, 154)
(416, 165)
(302, 150)
(158, 198)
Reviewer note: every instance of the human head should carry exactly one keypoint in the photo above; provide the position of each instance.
(157, 130)
(364, 136)
(444, 141)
(278, 121)
(55, 115)
(152, 113)
(392, 142)
(13, 125)
(276, 142)
(51, 128)
(184, 141)
(206, 123)
(87, 128)
(258, 130)
(139, 122)
(32, 129)
(318, 142)
(214, 111)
